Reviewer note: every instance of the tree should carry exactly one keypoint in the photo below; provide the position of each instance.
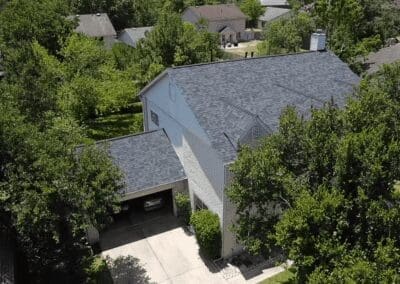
(23, 22)
(93, 84)
(123, 14)
(325, 190)
(287, 35)
(253, 10)
(33, 77)
(52, 194)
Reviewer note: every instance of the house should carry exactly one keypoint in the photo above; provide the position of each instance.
(275, 3)
(97, 26)
(149, 164)
(272, 14)
(208, 110)
(226, 19)
(385, 55)
(131, 36)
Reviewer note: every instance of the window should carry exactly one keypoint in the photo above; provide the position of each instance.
(238, 36)
(198, 204)
(154, 117)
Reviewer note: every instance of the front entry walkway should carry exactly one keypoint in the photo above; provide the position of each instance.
(159, 250)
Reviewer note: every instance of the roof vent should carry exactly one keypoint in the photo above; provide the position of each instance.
(98, 14)
(318, 41)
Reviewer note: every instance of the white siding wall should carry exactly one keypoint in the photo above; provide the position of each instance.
(204, 169)
(229, 244)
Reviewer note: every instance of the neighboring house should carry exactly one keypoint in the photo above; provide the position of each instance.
(275, 3)
(272, 14)
(97, 26)
(226, 19)
(208, 110)
(131, 36)
(385, 55)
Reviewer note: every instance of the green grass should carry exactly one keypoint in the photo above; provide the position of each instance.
(115, 125)
(284, 277)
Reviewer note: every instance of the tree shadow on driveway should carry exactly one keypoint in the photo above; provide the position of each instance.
(125, 270)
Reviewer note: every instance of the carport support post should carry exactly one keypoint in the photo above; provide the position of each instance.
(179, 187)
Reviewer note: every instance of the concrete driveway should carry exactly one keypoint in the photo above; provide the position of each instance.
(160, 252)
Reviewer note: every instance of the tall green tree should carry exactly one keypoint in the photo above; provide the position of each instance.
(326, 189)
(253, 10)
(123, 14)
(287, 35)
(44, 21)
(53, 194)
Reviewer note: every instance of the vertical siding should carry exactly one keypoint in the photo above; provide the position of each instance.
(203, 168)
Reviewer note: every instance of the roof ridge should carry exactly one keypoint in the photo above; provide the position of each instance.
(243, 59)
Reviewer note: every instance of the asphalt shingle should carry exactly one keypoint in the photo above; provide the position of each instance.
(272, 13)
(228, 97)
(134, 34)
(95, 25)
(147, 160)
(386, 55)
(218, 12)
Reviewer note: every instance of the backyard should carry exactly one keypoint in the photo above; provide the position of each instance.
(115, 125)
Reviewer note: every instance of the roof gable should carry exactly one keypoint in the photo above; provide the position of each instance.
(135, 34)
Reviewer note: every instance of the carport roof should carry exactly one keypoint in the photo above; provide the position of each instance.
(147, 160)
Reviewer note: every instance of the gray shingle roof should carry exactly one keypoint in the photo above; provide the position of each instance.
(229, 97)
(386, 55)
(147, 160)
(218, 12)
(272, 13)
(95, 25)
(135, 34)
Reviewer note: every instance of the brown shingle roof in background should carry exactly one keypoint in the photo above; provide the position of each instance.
(95, 25)
(218, 12)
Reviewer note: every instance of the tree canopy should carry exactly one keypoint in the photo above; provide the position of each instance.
(253, 10)
(326, 189)
(353, 27)
(51, 190)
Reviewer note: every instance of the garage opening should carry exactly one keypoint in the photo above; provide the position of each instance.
(146, 208)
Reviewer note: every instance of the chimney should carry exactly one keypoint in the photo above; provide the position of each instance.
(318, 41)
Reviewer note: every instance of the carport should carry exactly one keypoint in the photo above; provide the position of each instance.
(150, 166)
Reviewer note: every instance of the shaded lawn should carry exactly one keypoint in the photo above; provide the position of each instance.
(285, 277)
(114, 125)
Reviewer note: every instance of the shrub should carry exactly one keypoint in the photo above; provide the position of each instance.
(208, 232)
(97, 271)
(182, 202)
